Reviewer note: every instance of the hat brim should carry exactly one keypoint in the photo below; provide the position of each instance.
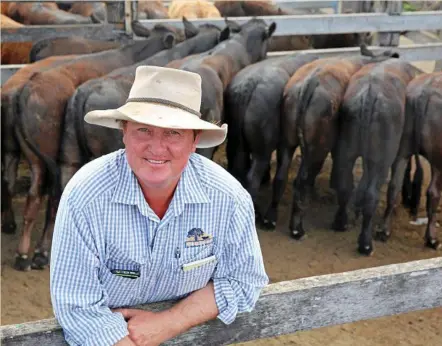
(160, 116)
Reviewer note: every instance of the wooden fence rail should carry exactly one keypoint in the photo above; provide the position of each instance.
(33, 33)
(331, 23)
(290, 306)
(286, 25)
(413, 52)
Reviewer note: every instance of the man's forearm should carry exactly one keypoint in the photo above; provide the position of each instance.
(198, 308)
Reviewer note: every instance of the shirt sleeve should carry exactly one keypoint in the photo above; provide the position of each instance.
(78, 299)
(240, 274)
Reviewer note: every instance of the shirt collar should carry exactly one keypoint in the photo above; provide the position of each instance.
(127, 190)
(189, 189)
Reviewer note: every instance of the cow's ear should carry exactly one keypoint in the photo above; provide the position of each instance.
(169, 40)
(271, 29)
(224, 34)
(190, 30)
(139, 29)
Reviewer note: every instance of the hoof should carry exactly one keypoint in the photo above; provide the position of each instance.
(22, 263)
(382, 236)
(366, 250)
(268, 225)
(9, 228)
(40, 260)
(298, 232)
(268, 221)
(432, 244)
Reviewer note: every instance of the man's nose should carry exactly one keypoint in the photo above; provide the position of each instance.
(157, 144)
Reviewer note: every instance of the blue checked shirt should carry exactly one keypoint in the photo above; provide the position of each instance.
(104, 224)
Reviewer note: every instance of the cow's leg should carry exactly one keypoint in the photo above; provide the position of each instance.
(304, 183)
(397, 176)
(267, 177)
(346, 155)
(33, 202)
(8, 220)
(314, 170)
(433, 198)
(299, 187)
(334, 173)
(254, 177)
(238, 160)
(406, 186)
(32, 207)
(41, 252)
(9, 176)
(284, 159)
(416, 188)
(67, 172)
(376, 170)
(371, 197)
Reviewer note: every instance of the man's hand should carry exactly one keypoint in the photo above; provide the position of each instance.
(148, 328)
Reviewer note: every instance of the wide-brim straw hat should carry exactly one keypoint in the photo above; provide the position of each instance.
(163, 97)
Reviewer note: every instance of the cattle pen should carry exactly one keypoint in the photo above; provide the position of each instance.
(302, 304)
(389, 22)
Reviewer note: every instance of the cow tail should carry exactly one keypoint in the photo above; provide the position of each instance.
(235, 107)
(417, 107)
(75, 112)
(305, 96)
(367, 108)
(52, 168)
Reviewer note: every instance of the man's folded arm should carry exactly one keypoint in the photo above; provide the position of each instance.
(240, 274)
(78, 298)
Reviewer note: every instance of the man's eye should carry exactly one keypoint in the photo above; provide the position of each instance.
(172, 133)
(143, 129)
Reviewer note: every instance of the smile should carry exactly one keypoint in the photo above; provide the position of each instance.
(156, 162)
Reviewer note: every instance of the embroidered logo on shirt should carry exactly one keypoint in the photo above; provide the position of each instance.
(197, 237)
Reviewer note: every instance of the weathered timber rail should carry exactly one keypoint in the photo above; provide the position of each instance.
(290, 306)
(414, 52)
(316, 24)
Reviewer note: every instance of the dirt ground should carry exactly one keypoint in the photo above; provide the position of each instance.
(25, 296)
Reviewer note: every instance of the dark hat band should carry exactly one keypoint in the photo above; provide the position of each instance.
(164, 102)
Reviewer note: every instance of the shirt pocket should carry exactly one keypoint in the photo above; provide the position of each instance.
(122, 291)
(196, 270)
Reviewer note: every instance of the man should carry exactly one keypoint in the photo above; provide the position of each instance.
(154, 222)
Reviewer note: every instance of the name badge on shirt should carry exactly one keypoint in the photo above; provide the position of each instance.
(130, 274)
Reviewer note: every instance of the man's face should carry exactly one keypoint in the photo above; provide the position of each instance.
(157, 155)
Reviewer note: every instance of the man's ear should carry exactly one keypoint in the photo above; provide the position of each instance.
(224, 34)
(123, 129)
(196, 139)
